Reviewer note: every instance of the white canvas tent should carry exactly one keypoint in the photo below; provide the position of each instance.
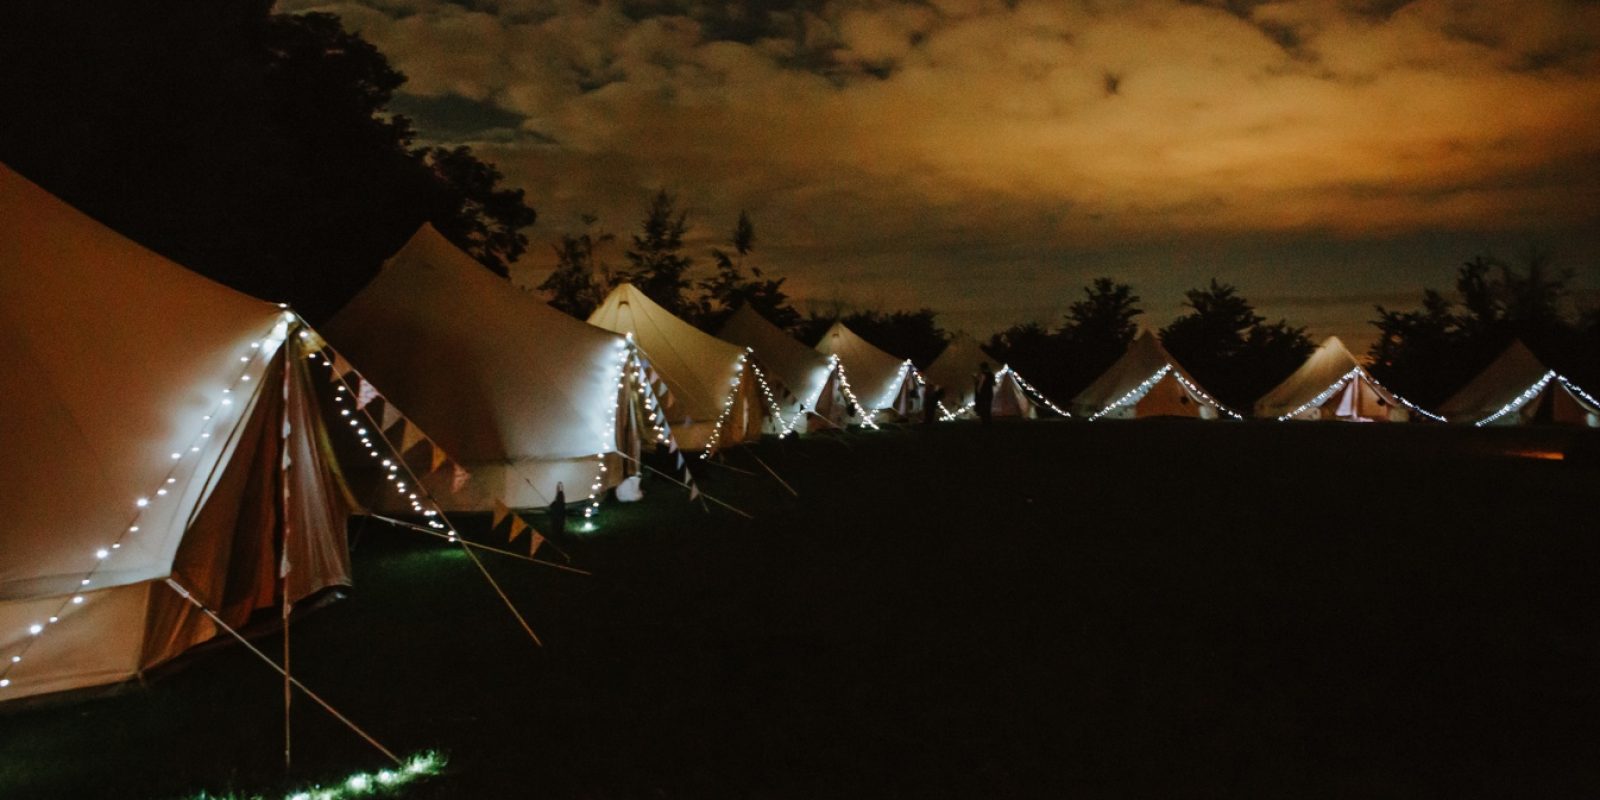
(1147, 382)
(1517, 388)
(714, 399)
(884, 384)
(1333, 385)
(520, 394)
(151, 421)
(956, 371)
(807, 384)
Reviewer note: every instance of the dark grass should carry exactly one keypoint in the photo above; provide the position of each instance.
(1046, 609)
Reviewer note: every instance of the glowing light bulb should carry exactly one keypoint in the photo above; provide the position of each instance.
(35, 629)
(176, 456)
(102, 553)
(142, 502)
(77, 601)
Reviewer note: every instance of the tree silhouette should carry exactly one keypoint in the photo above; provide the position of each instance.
(729, 289)
(1223, 342)
(1429, 352)
(575, 286)
(657, 265)
(251, 147)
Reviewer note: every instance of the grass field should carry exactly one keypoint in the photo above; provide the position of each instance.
(1050, 609)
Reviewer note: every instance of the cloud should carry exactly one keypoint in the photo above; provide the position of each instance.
(946, 139)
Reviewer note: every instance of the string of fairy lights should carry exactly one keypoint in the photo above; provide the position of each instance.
(1032, 392)
(784, 428)
(850, 395)
(184, 458)
(1135, 394)
(727, 404)
(1335, 387)
(1138, 392)
(1538, 387)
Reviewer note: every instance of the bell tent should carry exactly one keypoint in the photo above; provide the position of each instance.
(713, 398)
(162, 432)
(1517, 388)
(1147, 382)
(807, 385)
(885, 385)
(1333, 385)
(956, 372)
(520, 394)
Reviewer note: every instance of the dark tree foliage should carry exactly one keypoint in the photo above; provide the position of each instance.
(251, 147)
(1032, 350)
(1225, 344)
(657, 265)
(1095, 333)
(729, 289)
(575, 286)
(1429, 352)
(904, 334)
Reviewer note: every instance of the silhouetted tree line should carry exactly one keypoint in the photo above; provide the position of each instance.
(257, 149)
(252, 147)
(1429, 352)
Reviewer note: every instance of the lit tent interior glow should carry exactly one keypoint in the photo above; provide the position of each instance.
(884, 384)
(520, 394)
(812, 394)
(713, 397)
(1147, 382)
(1333, 385)
(148, 409)
(1517, 388)
(956, 370)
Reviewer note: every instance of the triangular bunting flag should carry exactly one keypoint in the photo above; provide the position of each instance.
(341, 367)
(391, 415)
(534, 543)
(694, 491)
(458, 478)
(654, 378)
(438, 457)
(672, 444)
(680, 461)
(365, 393)
(517, 527)
(410, 435)
(500, 513)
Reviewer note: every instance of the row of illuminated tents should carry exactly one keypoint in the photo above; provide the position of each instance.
(1333, 385)
(179, 456)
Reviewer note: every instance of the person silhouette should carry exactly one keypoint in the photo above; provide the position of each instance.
(558, 512)
(983, 393)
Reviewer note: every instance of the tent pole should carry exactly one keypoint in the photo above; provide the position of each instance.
(185, 594)
(289, 364)
(773, 474)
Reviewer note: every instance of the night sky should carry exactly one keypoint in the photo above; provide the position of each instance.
(988, 158)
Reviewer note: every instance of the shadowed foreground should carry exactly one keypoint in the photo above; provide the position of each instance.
(1068, 609)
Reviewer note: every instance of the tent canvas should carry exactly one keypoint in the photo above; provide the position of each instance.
(151, 422)
(885, 384)
(1333, 385)
(520, 394)
(956, 371)
(713, 398)
(1147, 382)
(806, 383)
(1517, 388)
